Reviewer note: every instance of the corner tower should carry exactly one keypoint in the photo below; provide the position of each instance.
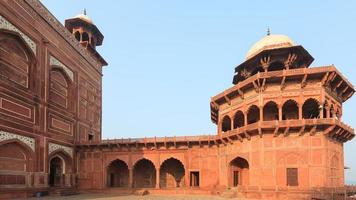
(286, 117)
(86, 32)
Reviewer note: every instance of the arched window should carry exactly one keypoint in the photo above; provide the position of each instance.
(59, 88)
(253, 114)
(270, 111)
(290, 110)
(226, 124)
(77, 35)
(85, 37)
(15, 60)
(276, 66)
(311, 109)
(239, 119)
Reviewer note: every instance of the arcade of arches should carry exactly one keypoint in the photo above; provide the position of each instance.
(289, 110)
(278, 127)
(145, 174)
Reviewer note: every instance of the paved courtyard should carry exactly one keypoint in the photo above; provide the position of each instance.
(131, 197)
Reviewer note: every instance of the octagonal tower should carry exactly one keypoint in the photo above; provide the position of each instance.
(287, 117)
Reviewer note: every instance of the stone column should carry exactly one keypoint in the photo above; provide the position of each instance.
(245, 116)
(280, 113)
(157, 178)
(300, 111)
(261, 113)
(232, 122)
(130, 178)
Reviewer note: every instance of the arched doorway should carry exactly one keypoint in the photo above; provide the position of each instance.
(60, 169)
(144, 174)
(311, 109)
(238, 172)
(117, 174)
(270, 111)
(239, 119)
(253, 114)
(56, 171)
(226, 124)
(290, 110)
(171, 174)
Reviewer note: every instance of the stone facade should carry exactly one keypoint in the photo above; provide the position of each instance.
(279, 133)
(50, 99)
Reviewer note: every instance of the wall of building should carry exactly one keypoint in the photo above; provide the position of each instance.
(44, 116)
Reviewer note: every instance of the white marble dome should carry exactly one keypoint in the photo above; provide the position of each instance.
(269, 42)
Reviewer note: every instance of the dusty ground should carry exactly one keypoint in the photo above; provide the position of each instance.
(131, 197)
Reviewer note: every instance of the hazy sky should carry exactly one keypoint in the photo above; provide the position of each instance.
(167, 58)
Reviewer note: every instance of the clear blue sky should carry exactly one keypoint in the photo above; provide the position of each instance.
(167, 58)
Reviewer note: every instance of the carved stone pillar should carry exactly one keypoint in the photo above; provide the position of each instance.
(280, 113)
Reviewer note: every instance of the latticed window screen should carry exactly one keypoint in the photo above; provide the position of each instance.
(292, 176)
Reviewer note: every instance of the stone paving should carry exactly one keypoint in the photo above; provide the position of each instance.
(130, 197)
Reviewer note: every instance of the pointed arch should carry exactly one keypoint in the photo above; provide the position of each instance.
(144, 174)
(117, 174)
(60, 87)
(16, 156)
(60, 164)
(253, 114)
(270, 111)
(17, 60)
(172, 173)
(238, 172)
(311, 109)
(239, 119)
(226, 123)
(290, 110)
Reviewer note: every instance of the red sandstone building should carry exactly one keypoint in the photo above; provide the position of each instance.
(280, 132)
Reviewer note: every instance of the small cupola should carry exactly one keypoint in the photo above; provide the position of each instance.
(84, 30)
(274, 52)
